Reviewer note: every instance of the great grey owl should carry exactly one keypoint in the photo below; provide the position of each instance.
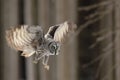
(31, 40)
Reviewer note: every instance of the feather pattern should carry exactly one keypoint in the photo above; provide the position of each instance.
(19, 37)
(30, 40)
(59, 32)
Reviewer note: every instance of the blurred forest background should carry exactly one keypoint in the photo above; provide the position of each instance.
(92, 53)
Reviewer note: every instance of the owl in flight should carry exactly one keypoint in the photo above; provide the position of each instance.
(31, 40)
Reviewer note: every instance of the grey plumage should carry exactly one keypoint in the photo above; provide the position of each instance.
(31, 40)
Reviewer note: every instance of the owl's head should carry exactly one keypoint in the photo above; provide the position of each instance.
(49, 47)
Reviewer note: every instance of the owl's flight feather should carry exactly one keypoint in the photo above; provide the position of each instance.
(59, 32)
(22, 38)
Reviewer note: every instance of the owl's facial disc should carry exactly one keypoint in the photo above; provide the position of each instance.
(53, 48)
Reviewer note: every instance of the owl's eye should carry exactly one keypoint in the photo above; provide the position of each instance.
(53, 47)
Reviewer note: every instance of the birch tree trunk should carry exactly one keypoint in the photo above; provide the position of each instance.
(67, 60)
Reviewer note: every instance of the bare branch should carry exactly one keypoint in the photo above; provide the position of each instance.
(110, 71)
(105, 51)
(85, 25)
(98, 12)
(87, 8)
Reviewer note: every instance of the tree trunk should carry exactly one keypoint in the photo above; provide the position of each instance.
(9, 59)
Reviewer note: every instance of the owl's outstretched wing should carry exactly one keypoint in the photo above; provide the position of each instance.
(24, 38)
(59, 32)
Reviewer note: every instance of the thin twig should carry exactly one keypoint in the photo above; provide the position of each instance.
(110, 71)
(108, 48)
(87, 8)
(101, 62)
(99, 11)
(85, 25)
(101, 38)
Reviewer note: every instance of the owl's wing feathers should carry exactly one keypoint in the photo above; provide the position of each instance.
(20, 37)
(9, 38)
(38, 34)
(51, 31)
(59, 32)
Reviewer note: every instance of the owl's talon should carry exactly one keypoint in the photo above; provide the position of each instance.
(47, 67)
(35, 62)
(24, 54)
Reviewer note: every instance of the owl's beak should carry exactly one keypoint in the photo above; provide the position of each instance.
(57, 51)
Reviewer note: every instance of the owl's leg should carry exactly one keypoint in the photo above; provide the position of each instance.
(45, 62)
(38, 56)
